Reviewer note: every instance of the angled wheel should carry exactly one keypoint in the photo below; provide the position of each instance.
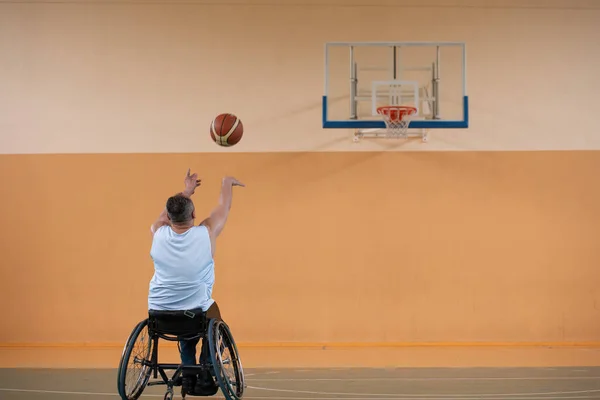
(226, 360)
(134, 368)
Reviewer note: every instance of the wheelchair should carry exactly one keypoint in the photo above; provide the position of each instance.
(139, 360)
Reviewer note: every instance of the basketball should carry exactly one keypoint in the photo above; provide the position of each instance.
(226, 130)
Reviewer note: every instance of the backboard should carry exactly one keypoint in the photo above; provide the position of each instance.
(361, 76)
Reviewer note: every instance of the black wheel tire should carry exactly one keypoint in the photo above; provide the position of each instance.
(122, 373)
(217, 329)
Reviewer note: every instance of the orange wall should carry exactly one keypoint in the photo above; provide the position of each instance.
(481, 235)
(320, 247)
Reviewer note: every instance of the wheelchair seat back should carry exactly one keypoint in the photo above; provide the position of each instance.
(177, 325)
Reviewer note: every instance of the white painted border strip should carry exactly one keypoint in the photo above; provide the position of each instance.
(433, 379)
(427, 395)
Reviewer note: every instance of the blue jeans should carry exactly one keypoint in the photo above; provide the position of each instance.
(187, 348)
(188, 352)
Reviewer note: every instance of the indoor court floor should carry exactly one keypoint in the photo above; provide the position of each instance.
(333, 383)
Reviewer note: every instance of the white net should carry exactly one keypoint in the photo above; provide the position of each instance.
(397, 119)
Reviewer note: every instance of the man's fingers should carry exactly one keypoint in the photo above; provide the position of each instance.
(233, 181)
(236, 182)
(189, 170)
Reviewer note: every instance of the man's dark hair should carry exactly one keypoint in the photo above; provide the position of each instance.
(180, 209)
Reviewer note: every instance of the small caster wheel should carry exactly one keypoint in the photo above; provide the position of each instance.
(169, 395)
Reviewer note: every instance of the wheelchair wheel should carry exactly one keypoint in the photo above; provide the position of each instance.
(134, 368)
(226, 360)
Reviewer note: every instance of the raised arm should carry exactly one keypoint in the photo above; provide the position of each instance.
(162, 219)
(218, 217)
(191, 183)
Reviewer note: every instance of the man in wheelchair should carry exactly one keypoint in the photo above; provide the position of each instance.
(184, 274)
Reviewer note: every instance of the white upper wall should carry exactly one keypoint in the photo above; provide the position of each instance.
(146, 76)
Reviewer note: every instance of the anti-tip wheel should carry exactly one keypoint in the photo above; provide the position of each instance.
(169, 395)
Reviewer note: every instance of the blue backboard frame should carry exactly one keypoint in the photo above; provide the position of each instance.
(380, 124)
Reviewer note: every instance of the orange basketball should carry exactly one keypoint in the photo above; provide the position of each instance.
(226, 130)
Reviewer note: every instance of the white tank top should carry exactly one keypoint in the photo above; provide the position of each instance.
(184, 270)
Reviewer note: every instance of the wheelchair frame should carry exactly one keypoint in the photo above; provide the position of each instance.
(211, 330)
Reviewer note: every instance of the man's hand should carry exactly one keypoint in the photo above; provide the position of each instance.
(231, 181)
(191, 183)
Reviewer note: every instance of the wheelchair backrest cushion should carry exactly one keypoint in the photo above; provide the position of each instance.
(177, 323)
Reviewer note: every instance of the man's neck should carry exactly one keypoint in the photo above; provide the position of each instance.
(180, 228)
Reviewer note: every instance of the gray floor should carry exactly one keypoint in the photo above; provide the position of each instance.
(355, 384)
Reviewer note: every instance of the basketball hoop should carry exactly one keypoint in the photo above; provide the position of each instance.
(397, 118)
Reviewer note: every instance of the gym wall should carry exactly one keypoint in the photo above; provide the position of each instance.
(481, 236)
